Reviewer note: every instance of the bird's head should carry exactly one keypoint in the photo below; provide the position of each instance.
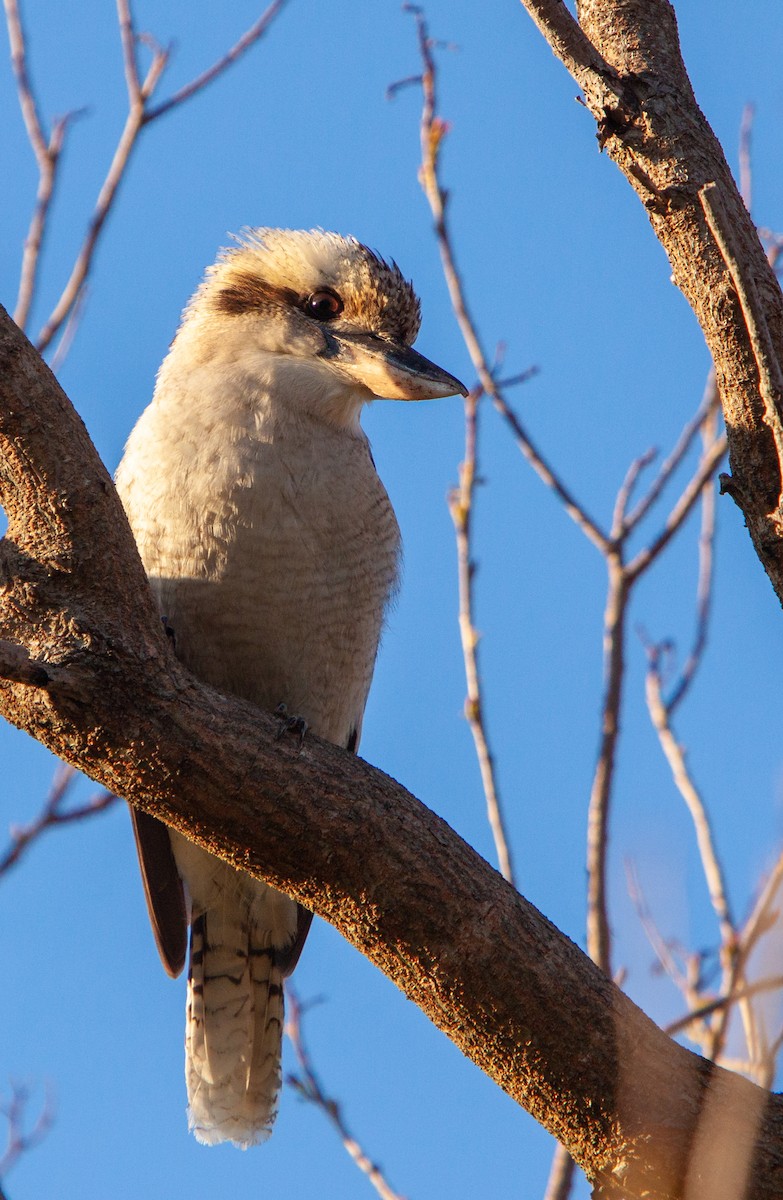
(325, 301)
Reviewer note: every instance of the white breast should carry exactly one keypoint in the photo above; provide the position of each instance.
(270, 541)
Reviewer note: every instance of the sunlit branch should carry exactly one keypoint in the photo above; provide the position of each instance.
(461, 501)
(140, 114)
(309, 1087)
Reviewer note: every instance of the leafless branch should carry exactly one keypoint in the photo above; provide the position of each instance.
(47, 152)
(310, 1088)
(248, 39)
(433, 132)
(140, 114)
(18, 1139)
(771, 984)
(710, 401)
(770, 381)
(461, 501)
(745, 161)
(129, 39)
(615, 619)
(706, 558)
(561, 1175)
(710, 461)
(675, 756)
(53, 814)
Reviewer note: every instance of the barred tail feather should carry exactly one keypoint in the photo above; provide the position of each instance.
(234, 1029)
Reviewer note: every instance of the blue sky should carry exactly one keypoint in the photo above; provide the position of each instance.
(561, 265)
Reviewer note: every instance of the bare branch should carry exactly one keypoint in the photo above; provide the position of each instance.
(461, 501)
(710, 461)
(745, 161)
(129, 39)
(764, 350)
(47, 153)
(710, 401)
(18, 1139)
(621, 523)
(51, 815)
(561, 1175)
(771, 984)
(310, 1088)
(675, 756)
(248, 39)
(433, 132)
(140, 114)
(461, 509)
(705, 575)
(599, 941)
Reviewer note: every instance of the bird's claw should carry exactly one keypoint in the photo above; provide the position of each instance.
(289, 724)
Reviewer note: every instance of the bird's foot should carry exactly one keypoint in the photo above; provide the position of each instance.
(289, 724)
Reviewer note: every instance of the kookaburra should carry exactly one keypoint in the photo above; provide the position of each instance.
(273, 549)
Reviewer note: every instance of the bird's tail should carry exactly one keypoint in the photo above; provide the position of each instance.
(234, 1029)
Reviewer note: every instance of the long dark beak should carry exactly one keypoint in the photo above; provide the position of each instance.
(390, 369)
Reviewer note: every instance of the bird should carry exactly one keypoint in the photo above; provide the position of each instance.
(273, 551)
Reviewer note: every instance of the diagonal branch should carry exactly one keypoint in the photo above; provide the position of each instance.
(140, 114)
(310, 1088)
(52, 815)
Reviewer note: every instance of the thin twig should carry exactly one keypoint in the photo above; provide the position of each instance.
(745, 159)
(52, 815)
(70, 329)
(129, 40)
(661, 947)
(18, 1142)
(621, 523)
(599, 945)
(710, 461)
(47, 152)
(706, 565)
(309, 1087)
(248, 39)
(561, 1175)
(675, 756)
(770, 984)
(433, 132)
(140, 114)
(461, 505)
(710, 401)
(461, 502)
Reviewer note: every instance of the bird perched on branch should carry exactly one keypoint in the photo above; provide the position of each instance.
(273, 548)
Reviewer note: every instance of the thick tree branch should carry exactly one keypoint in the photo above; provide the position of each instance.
(669, 154)
(635, 1110)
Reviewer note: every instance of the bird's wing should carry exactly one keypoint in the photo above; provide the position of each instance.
(163, 890)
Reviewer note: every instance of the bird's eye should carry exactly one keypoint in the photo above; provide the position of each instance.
(324, 305)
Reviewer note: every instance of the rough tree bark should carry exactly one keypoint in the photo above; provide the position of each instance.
(86, 669)
(625, 55)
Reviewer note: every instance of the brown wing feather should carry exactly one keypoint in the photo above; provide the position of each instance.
(163, 890)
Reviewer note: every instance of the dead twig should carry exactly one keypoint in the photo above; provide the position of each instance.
(140, 114)
(309, 1087)
(52, 815)
(18, 1139)
(462, 499)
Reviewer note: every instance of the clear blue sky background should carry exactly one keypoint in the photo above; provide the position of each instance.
(560, 263)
